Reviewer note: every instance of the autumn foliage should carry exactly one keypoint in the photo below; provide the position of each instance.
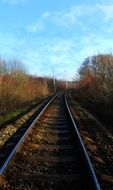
(95, 86)
(17, 88)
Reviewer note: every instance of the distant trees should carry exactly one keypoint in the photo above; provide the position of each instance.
(17, 88)
(96, 75)
(95, 86)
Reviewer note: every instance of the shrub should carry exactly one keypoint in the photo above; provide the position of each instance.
(17, 88)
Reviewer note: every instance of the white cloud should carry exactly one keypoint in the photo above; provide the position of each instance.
(67, 18)
(68, 51)
(35, 27)
(95, 44)
(106, 10)
(58, 18)
(57, 52)
(39, 24)
(71, 17)
(46, 15)
(14, 1)
(64, 55)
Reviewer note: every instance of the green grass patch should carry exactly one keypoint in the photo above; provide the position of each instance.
(10, 117)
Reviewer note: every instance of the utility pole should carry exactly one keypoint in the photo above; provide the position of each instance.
(66, 84)
(54, 84)
(54, 80)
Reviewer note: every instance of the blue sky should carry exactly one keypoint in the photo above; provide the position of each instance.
(59, 34)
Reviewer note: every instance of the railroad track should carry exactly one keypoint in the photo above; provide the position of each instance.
(52, 156)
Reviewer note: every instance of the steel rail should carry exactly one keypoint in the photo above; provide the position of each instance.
(12, 153)
(87, 160)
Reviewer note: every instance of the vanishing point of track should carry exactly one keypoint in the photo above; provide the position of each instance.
(49, 154)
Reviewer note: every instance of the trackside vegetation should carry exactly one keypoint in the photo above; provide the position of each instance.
(19, 90)
(94, 89)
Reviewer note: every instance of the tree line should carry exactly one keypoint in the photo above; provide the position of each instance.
(95, 85)
(18, 88)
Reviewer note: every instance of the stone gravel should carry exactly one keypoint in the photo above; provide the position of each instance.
(7, 131)
(98, 141)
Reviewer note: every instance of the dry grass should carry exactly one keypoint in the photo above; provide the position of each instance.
(18, 89)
